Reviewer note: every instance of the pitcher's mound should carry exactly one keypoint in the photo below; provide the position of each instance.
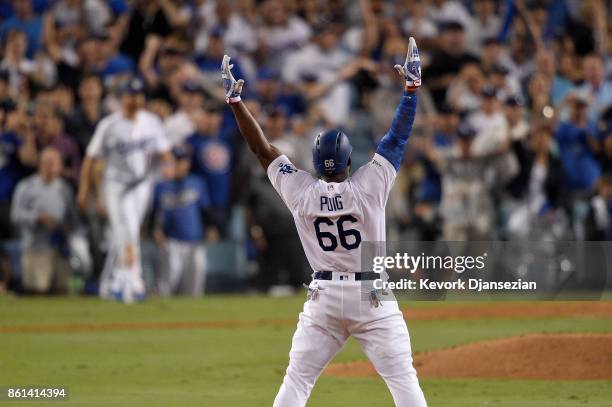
(537, 356)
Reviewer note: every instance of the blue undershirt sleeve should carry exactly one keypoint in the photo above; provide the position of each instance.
(392, 144)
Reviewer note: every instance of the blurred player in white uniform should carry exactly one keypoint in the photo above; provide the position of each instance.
(128, 141)
(335, 212)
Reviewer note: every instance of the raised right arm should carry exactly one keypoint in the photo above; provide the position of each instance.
(249, 128)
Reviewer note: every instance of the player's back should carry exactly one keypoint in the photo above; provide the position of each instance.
(334, 218)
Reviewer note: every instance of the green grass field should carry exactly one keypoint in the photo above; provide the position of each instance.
(241, 365)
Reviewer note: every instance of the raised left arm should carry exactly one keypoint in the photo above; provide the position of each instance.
(248, 126)
(393, 143)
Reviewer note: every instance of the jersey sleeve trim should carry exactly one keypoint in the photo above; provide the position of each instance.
(275, 164)
(290, 182)
(381, 159)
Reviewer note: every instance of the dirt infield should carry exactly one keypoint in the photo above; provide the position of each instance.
(536, 356)
(506, 310)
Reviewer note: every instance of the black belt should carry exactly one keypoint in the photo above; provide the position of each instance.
(366, 275)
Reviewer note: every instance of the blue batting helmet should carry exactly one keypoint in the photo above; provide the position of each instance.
(331, 152)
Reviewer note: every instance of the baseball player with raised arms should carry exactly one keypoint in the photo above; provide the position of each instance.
(128, 141)
(334, 212)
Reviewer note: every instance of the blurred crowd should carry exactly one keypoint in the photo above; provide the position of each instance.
(512, 138)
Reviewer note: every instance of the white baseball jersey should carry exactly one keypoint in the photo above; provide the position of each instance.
(128, 145)
(333, 218)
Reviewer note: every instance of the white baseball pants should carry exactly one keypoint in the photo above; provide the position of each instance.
(126, 206)
(182, 268)
(324, 326)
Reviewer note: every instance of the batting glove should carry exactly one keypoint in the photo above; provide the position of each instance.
(232, 87)
(411, 71)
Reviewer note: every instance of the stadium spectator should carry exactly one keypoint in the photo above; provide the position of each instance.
(518, 127)
(64, 29)
(280, 32)
(158, 64)
(21, 68)
(62, 97)
(538, 188)
(560, 86)
(419, 23)
(493, 53)
(82, 120)
(597, 87)
(208, 60)
(12, 167)
(111, 62)
(465, 91)
(448, 59)
(320, 61)
(25, 20)
(415, 215)
(271, 93)
(240, 32)
(467, 203)
(147, 17)
(181, 123)
(490, 124)
(599, 219)
(442, 11)
(212, 160)
(576, 140)
(506, 84)
(42, 210)
(179, 227)
(538, 95)
(484, 24)
(49, 130)
(430, 189)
